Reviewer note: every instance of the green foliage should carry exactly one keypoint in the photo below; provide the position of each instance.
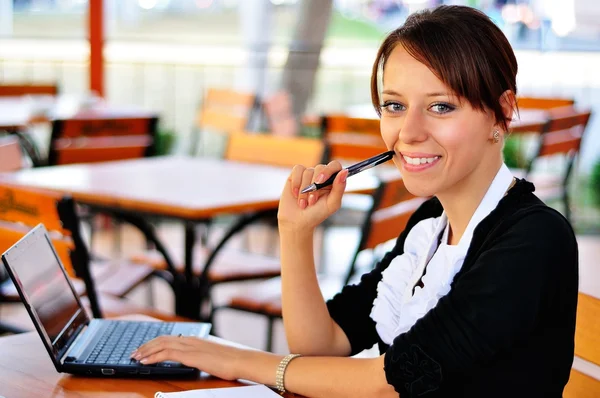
(595, 183)
(165, 141)
(513, 156)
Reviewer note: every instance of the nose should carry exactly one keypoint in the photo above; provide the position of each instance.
(413, 128)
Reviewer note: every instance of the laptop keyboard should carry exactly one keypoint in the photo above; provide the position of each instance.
(120, 339)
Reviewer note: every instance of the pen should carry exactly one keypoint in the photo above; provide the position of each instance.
(352, 170)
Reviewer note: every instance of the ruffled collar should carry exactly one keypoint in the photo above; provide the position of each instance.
(400, 303)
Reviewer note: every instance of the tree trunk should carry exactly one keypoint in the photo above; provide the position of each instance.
(305, 49)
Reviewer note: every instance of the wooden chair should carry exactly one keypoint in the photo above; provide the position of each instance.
(587, 347)
(543, 102)
(562, 137)
(237, 265)
(30, 207)
(274, 150)
(223, 111)
(88, 139)
(111, 306)
(13, 90)
(392, 207)
(11, 154)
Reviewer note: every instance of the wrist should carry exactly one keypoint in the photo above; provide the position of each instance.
(296, 234)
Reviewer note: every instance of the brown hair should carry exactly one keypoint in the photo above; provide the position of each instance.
(463, 48)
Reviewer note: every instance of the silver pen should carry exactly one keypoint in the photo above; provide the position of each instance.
(352, 170)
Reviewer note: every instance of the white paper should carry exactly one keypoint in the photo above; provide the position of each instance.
(257, 391)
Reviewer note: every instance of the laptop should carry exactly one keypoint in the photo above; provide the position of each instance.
(77, 343)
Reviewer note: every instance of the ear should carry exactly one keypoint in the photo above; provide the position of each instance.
(508, 101)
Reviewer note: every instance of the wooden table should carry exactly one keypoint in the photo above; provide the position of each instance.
(26, 371)
(188, 189)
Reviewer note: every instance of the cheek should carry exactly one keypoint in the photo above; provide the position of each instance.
(389, 132)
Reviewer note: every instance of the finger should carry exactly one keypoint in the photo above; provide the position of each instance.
(158, 344)
(322, 175)
(334, 199)
(168, 354)
(295, 180)
(307, 178)
(318, 177)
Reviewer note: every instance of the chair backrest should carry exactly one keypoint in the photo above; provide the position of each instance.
(346, 124)
(10, 233)
(11, 155)
(225, 111)
(12, 90)
(280, 115)
(274, 150)
(587, 331)
(353, 147)
(543, 102)
(27, 207)
(391, 209)
(562, 135)
(88, 140)
(587, 347)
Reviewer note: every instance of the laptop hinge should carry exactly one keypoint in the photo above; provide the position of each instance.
(80, 342)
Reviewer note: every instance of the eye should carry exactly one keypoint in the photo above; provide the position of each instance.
(442, 108)
(392, 107)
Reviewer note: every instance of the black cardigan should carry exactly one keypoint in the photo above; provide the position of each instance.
(505, 329)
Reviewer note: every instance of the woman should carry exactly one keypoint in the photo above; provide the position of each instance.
(478, 297)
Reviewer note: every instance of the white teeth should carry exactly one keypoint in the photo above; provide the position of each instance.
(418, 161)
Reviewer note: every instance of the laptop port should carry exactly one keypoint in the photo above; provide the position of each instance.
(108, 372)
(144, 371)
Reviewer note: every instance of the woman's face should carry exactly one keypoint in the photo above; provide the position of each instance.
(440, 142)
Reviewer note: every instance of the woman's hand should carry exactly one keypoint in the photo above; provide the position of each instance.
(304, 212)
(216, 359)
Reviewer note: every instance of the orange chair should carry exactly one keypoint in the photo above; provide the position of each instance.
(29, 207)
(587, 347)
(561, 137)
(392, 207)
(224, 112)
(543, 102)
(89, 139)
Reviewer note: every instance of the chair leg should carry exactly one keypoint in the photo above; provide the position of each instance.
(270, 324)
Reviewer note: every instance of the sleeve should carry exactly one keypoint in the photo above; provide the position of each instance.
(492, 305)
(351, 308)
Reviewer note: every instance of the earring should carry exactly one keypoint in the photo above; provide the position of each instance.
(496, 136)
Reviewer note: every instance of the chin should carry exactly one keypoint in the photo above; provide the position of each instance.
(419, 188)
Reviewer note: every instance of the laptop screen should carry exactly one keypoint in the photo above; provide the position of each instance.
(40, 277)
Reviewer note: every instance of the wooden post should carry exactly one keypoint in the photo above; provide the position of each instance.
(96, 38)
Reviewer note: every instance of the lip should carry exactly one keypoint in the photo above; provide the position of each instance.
(420, 167)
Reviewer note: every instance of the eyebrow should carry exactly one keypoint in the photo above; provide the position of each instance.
(435, 94)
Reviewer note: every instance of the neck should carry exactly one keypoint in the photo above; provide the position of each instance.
(462, 200)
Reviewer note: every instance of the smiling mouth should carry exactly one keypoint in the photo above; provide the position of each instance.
(417, 161)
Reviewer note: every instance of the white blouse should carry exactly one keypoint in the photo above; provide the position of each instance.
(396, 309)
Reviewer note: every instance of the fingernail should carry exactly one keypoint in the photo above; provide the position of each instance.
(296, 191)
(320, 178)
(343, 177)
(144, 361)
(302, 203)
(311, 199)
